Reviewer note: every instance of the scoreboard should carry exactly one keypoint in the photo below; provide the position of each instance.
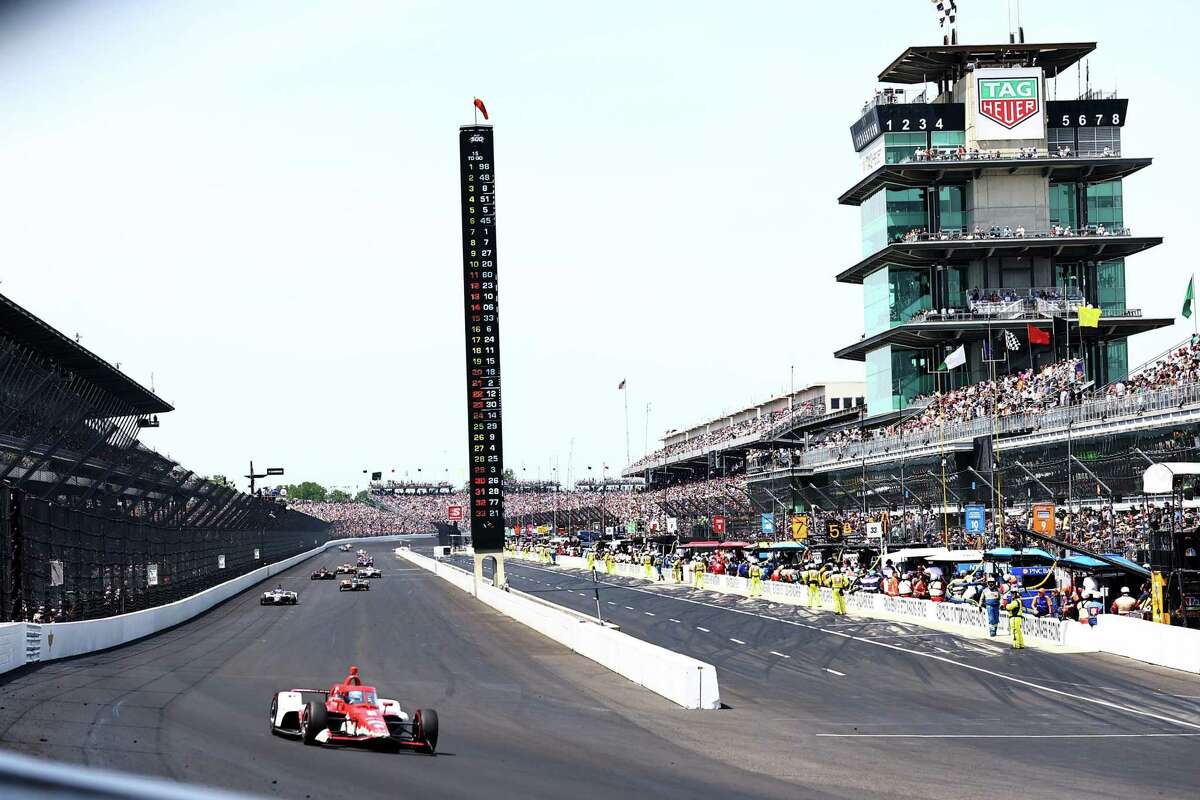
(482, 317)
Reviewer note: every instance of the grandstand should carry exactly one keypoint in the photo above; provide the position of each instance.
(94, 522)
(721, 445)
(983, 227)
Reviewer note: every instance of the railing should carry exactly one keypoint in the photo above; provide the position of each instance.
(1008, 232)
(1041, 310)
(1053, 419)
(944, 154)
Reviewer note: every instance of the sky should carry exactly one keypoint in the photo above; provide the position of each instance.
(253, 206)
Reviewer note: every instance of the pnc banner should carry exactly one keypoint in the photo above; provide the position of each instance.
(1009, 104)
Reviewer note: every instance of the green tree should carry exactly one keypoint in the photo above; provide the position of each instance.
(507, 475)
(362, 497)
(308, 490)
(338, 496)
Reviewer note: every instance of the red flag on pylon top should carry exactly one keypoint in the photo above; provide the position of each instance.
(1037, 335)
(482, 108)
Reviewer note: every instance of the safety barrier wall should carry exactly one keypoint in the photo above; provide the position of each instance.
(22, 643)
(1164, 645)
(681, 679)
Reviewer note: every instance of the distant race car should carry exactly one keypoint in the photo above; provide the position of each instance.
(355, 584)
(366, 561)
(351, 713)
(322, 574)
(369, 572)
(278, 596)
(345, 548)
(347, 569)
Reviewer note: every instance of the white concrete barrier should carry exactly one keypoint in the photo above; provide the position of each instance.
(681, 679)
(22, 643)
(1164, 645)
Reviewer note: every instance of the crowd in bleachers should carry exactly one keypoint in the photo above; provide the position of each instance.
(1177, 368)
(712, 440)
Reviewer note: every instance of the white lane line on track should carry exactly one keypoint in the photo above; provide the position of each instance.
(706, 630)
(920, 654)
(648, 613)
(630, 608)
(611, 603)
(739, 641)
(675, 620)
(1002, 735)
(781, 655)
(835, 672)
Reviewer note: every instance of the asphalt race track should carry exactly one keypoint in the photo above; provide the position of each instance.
(872, 708)
(520, 715)
(818, 711)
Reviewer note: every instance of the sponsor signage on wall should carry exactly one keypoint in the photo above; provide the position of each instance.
(1009, 104)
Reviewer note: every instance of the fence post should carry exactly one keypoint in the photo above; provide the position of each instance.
(16, 559)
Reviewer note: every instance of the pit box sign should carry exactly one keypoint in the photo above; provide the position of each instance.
(768, 523)
(718, 523)
(152, 574)
(799, 527)
(1009, 104)
(454, 513)
(874, 530)
(1043, 518)
(976, 519)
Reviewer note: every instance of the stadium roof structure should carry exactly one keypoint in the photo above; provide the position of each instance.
(23, 327)
(961, 329)
(932, 252)
(948, 62)
(919, 174)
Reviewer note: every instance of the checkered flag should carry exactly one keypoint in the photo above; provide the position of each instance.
(946, 9)
(1012, 341)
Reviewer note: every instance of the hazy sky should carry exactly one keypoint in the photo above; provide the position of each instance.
(257, 203)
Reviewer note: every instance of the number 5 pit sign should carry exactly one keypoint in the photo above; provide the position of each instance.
(454, 513)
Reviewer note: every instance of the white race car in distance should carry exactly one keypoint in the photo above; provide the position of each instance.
(279, 596)
(369, 572)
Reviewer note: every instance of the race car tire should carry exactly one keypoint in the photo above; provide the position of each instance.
(274, 711)
(312, 721)
(427, 728)
(264, 602)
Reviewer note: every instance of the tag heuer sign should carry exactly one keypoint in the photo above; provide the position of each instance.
(1009, 104)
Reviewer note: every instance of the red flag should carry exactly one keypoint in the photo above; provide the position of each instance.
(482, 108)
(1037, 335)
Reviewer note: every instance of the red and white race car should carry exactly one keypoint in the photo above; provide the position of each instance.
(351, 713)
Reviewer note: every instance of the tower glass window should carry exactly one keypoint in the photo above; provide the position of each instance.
(1110, 286)
(1106, 204)
(898, 147)
(951, 212)
(895, 377)
(888, 215)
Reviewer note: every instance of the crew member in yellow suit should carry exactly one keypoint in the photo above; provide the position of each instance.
(608, 563)
(839, 583)
(591, 560)
(646, 565)
(677, 569)
(813, 579)
(1016, 614)
(755, 580)
(698, 574)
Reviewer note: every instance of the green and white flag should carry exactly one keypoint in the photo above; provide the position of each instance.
(1187, 298)
(955, 359)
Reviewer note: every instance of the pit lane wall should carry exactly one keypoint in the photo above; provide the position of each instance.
(1163, 645)
(681, 679)
(23, 643)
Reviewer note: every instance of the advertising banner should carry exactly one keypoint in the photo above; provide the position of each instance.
(768, 523)
(1009, 104)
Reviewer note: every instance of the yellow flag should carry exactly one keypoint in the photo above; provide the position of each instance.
(1089, 317)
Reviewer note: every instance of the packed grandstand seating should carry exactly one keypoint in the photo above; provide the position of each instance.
(749, 427)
